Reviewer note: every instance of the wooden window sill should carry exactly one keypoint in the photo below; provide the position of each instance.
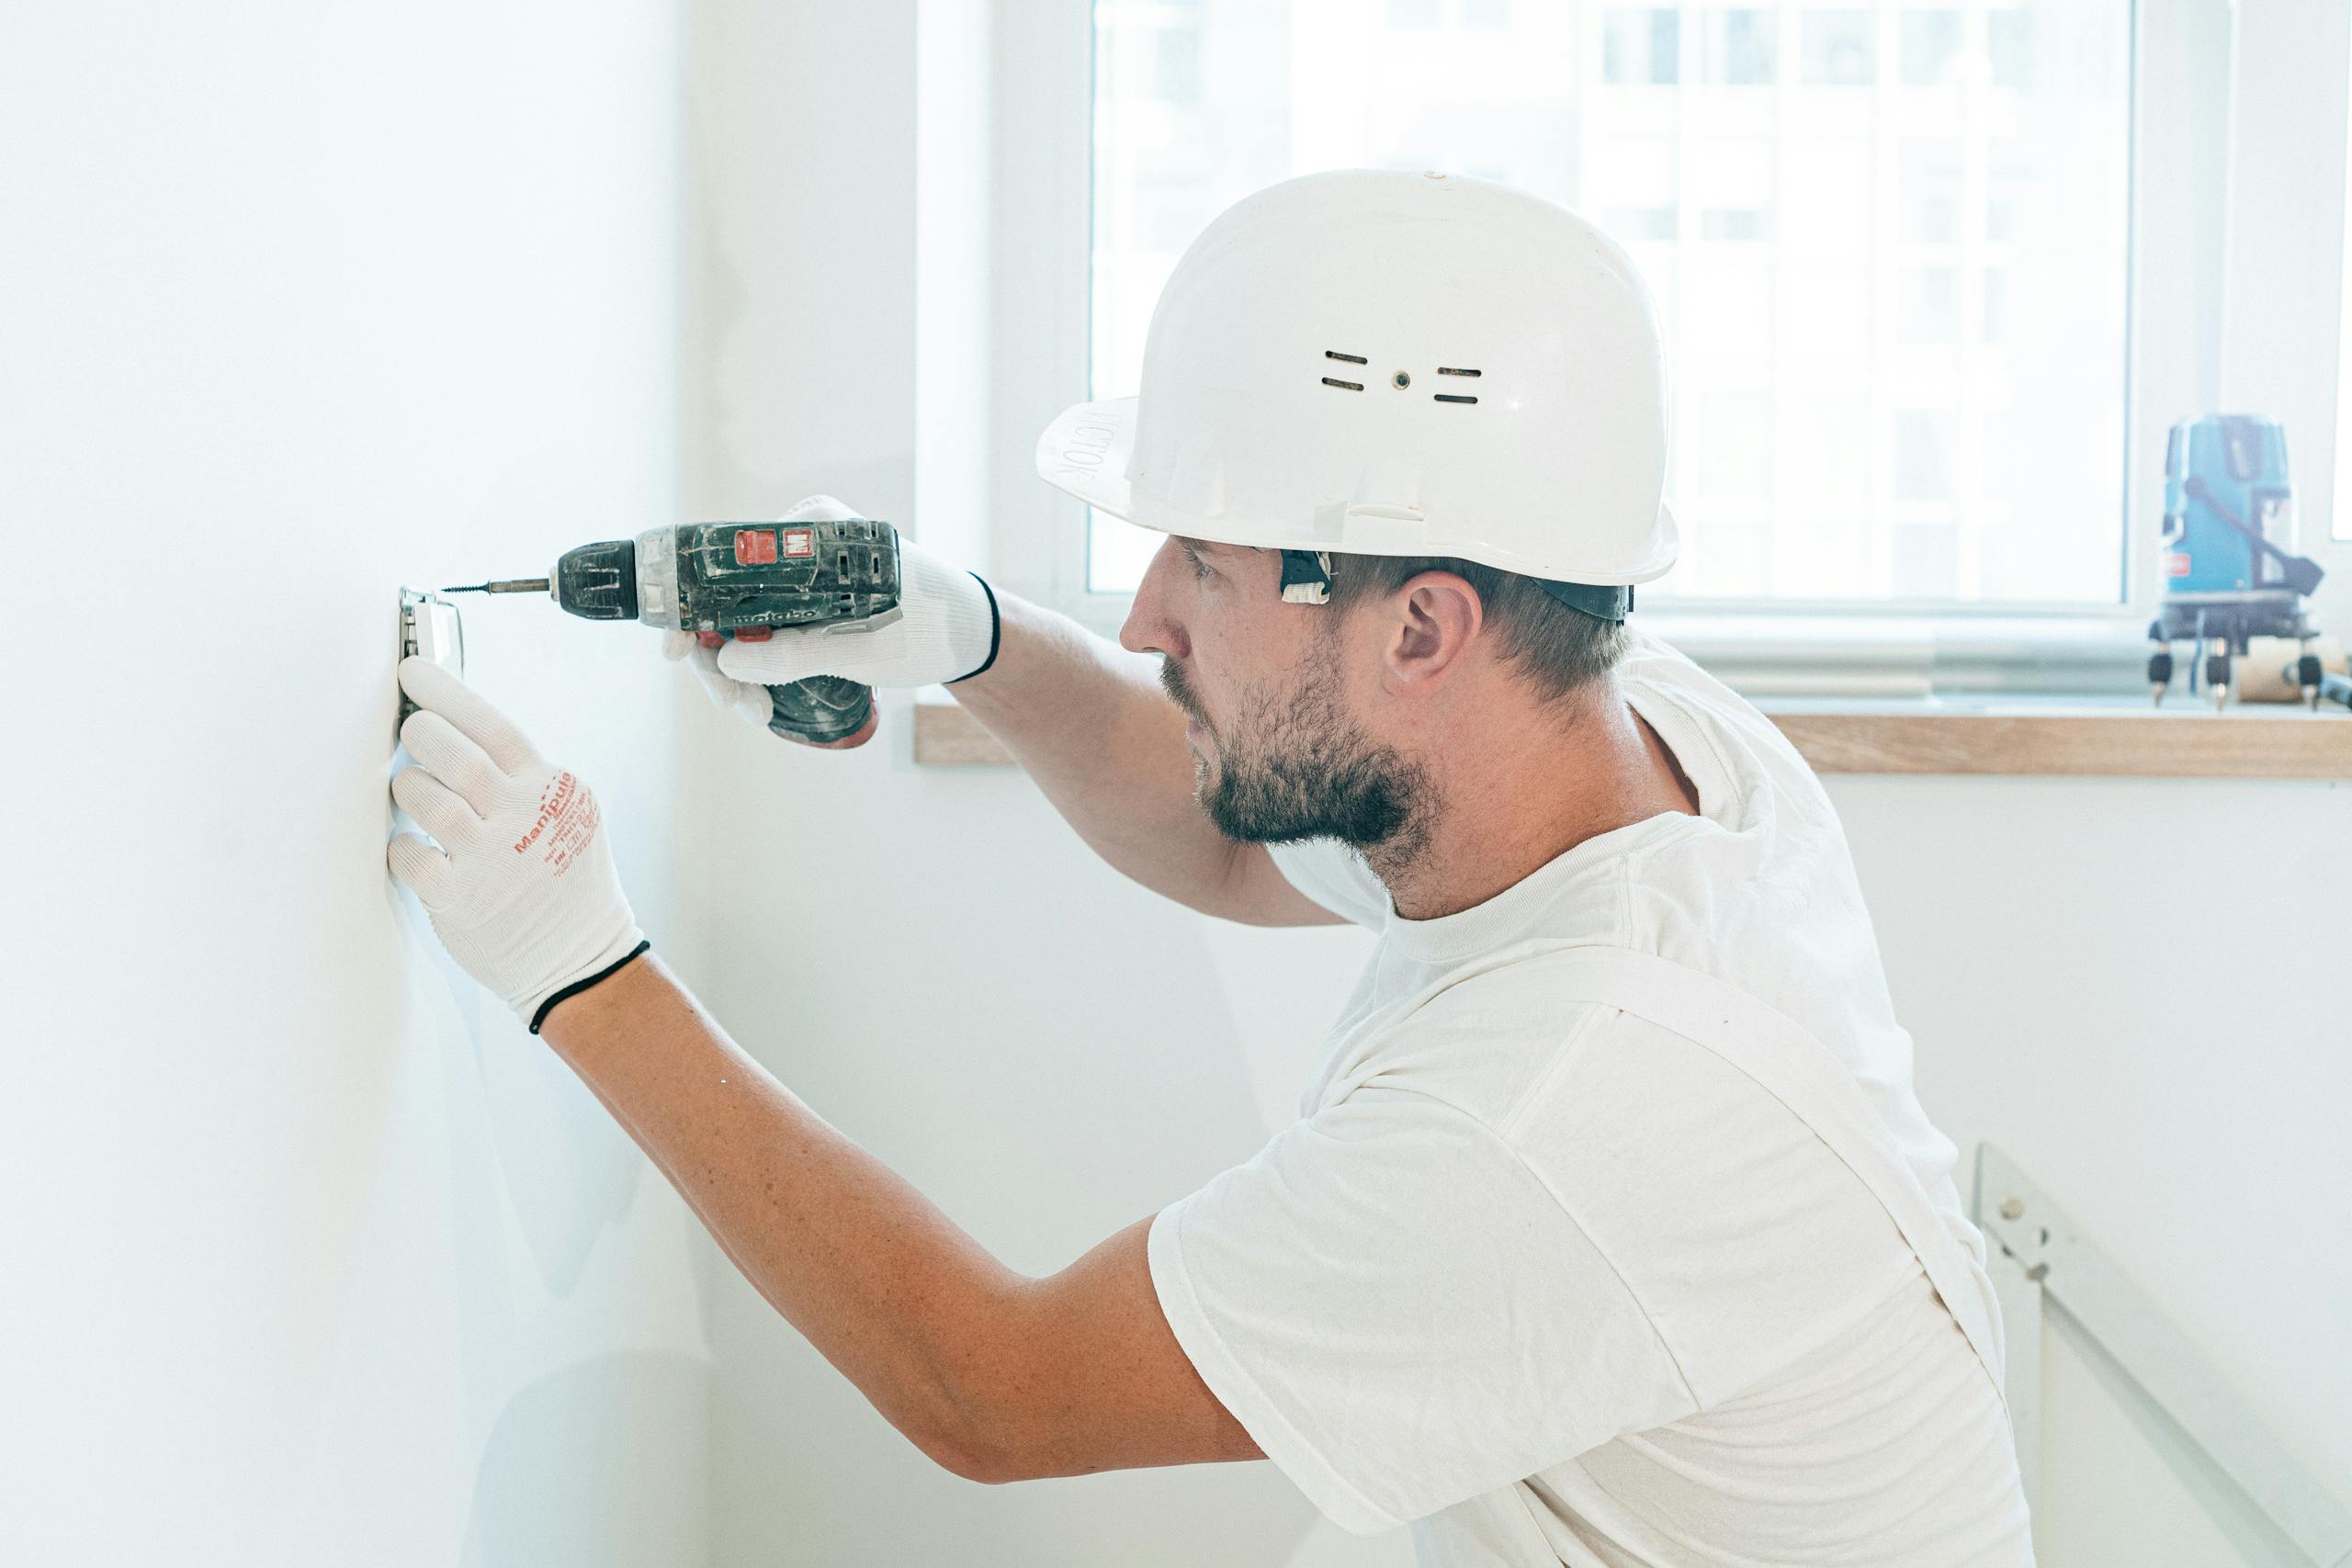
(2185, 739)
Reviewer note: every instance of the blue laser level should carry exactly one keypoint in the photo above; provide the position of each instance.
(2230, 567)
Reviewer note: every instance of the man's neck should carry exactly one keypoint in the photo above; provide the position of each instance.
(1499, 811)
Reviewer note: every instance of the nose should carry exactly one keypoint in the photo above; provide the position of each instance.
(1150, 628)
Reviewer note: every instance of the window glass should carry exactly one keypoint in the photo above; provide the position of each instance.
(1738, 46)
(1931, 46)
(1887, 242)
(1641, 45)
(1840, 49)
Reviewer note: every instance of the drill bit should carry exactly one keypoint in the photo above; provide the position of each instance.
(504, 585)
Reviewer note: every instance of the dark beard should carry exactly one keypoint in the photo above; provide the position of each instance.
(1296, 768)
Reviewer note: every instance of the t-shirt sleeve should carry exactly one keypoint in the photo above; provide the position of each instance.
(1401, 1315)
(1335, 876)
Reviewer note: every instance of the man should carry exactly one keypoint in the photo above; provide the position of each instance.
(1611, 1232)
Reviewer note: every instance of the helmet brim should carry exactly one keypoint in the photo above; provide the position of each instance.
(1084, 452)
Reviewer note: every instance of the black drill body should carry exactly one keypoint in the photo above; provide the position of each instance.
(745, 582)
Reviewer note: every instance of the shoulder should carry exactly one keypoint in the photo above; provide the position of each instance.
(1505, 1043)
(1524, 1050)
(1715, 733)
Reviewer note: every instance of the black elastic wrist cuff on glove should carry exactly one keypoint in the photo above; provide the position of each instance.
(996, 632)
(573, 989)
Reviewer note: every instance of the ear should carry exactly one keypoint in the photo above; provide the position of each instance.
(1435, 619)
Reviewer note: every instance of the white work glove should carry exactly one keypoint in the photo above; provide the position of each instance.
(946, 629)
(522, 891)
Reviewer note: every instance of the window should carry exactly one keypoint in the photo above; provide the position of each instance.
(2340, 526)
(1888, 243)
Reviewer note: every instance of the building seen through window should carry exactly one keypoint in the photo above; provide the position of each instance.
(1888, 244)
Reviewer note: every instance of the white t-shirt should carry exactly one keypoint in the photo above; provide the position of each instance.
(1561, 1286)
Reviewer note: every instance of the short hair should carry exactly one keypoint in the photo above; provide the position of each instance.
(1559, 650)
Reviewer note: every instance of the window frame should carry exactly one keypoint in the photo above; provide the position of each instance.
(2194, 58)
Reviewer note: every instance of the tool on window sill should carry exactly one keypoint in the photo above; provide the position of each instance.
(743, 581)
(2231, 571)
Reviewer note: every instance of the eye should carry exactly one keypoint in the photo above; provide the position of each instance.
(1202, 571)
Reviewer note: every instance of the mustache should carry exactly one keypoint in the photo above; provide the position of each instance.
(1178, 690)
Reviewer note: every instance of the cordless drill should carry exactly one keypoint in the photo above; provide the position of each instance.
(742, 580)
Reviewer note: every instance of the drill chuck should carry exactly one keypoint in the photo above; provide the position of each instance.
(598, 582)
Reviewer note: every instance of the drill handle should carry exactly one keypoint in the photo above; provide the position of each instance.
(822, 710)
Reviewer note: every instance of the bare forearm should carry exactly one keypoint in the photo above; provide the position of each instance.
(886, 1287)
(993, 1374)
(1088, 721)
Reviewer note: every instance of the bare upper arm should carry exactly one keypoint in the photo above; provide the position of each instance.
(1086, 1375)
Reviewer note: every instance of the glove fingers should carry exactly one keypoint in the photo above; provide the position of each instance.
(755, 703)
(433, 687)
(448, 756)
(722, 691)
(419, 867)
(786, 656)
(749, 701)
(436, 807)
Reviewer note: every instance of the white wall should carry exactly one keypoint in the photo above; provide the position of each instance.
(307, 1253)
(2130, 986)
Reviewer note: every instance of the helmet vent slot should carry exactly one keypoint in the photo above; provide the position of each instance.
(1344, 359)
(1449, 371)
(1453, 398)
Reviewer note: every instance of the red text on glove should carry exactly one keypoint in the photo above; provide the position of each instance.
(568, 819)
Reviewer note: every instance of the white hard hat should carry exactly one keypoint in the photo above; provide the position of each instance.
(1395, 364)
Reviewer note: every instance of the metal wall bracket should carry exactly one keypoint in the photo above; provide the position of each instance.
(430, 628)
(2044, 1261)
